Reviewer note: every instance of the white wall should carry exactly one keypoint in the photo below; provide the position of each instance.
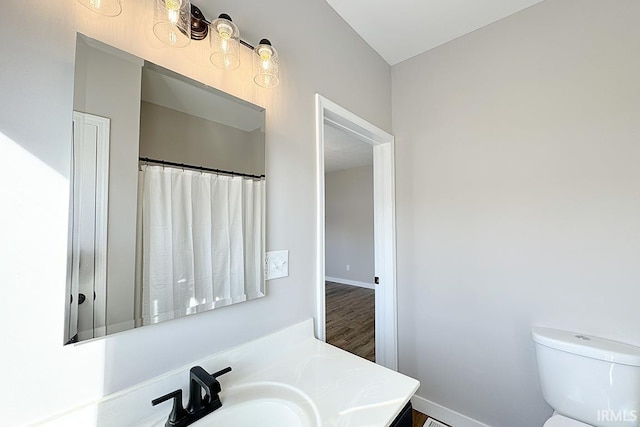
(36, 83)
(108, 85)
(518, 196)
(349, 224)
(172, 135)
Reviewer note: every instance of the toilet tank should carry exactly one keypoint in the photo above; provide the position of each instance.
(589, 379)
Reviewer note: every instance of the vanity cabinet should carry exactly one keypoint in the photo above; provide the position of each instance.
(405, 419)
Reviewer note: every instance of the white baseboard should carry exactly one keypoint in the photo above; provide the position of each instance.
(350, 282)
(446, 415)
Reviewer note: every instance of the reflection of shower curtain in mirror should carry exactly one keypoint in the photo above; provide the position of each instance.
(201, 240)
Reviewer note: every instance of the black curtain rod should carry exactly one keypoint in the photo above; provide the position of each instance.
(200, 168)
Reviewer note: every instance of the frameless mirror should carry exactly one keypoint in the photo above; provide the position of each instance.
(168, 196)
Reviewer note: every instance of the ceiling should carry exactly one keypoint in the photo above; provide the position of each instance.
(343, 151)
(165, 88)
(401, 29)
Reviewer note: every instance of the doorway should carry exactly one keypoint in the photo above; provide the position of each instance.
(381, 143)
(349, 243)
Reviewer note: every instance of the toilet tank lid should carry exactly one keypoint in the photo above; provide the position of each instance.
(588, 346)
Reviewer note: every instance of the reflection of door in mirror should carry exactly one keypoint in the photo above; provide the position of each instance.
(107, 84)
(88, 262)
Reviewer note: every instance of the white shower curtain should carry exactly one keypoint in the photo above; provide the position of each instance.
(201, 241)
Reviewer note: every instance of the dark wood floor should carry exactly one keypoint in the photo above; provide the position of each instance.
(351, 319)
(351, 324)
(419, 418)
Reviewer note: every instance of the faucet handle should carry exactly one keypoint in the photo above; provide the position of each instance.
(201, 380)
(177, 412)
(214, 388)
(213, 397)
(221, 372)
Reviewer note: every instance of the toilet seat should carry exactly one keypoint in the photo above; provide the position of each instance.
(560, 421)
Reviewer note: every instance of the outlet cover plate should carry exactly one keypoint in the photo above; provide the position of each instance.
(276, 264)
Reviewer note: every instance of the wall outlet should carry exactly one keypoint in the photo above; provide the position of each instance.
(348, 267)
(276, 265)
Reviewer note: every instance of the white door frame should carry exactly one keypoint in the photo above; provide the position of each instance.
(384, 224)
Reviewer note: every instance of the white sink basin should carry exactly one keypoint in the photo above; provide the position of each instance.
(262, 404)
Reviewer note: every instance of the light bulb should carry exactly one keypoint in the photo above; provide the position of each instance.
(172, 22)
(224, 31)
(225, 43)
(173, 16)
(173, 10)
(265, 57)
(266, 65)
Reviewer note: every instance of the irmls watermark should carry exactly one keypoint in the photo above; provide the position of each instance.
(618, 416)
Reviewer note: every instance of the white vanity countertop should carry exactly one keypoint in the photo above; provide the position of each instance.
(346, 390)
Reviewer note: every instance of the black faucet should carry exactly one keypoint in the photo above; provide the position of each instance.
(199, 406)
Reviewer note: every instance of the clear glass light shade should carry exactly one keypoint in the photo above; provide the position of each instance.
(265, 65)
(172, 22)
(225, 43)
(103, 7)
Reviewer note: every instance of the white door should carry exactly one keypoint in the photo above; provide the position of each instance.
(88, 261)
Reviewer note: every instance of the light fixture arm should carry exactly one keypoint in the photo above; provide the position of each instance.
(245, 44)
(200, 26)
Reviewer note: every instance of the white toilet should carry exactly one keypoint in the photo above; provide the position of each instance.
(588, 381)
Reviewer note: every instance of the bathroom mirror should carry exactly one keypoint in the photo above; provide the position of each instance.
(167, 201)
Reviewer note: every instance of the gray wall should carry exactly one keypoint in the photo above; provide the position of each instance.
(167, 134)
(349, 224)
(517, 150)
(36, 83)
(108, 85)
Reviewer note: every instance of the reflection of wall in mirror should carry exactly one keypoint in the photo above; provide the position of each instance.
(107, 84)
(171, 135)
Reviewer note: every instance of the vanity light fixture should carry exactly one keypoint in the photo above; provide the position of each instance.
(103, 7)
(177, 22)
(172, 22)
(225, 43)
(265, 65)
